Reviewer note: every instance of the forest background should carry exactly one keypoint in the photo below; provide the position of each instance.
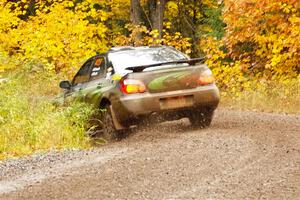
(253, 48)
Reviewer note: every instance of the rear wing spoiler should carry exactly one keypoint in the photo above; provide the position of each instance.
(190, 62)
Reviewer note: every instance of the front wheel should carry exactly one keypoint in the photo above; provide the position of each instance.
(201, 118)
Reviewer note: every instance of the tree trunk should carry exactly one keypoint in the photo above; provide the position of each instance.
(136, 19)
(156, 10)
(136, 12)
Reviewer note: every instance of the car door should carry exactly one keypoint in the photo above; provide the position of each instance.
(80, 82)
(98, 81)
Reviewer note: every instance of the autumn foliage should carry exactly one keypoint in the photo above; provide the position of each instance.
(265, 35)
(58, 35)
(261, 44)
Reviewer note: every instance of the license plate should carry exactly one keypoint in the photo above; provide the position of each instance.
(176, 102)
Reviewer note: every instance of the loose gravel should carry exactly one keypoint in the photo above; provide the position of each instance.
(243, 155)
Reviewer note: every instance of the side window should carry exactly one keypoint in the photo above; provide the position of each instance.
(98, 68)
(82, 75)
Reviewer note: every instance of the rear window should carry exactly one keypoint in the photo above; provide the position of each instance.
(132, 58)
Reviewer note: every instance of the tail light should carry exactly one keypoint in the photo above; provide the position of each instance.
(206, 78)
(132, 86)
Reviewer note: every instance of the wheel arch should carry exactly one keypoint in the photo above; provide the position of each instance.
(104, 102)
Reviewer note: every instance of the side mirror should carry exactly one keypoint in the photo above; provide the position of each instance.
(65, 85)
(110, 70)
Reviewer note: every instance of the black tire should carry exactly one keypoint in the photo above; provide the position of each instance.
(201, 118)
(109, 131)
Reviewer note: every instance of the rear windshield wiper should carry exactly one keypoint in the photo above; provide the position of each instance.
(142, 67)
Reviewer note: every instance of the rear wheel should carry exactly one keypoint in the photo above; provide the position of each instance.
(109, 131)
(201, 118)
(104, 124)
(108, 128)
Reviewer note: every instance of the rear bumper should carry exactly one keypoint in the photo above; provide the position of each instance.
(131, 106)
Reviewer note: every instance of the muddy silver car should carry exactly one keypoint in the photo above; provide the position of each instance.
(137, 83)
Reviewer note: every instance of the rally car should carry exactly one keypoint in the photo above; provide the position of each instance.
(132, 84)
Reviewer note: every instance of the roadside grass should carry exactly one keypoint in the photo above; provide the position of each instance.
(30, 122)
(278, 97)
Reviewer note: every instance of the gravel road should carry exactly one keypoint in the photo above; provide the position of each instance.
(243, 155)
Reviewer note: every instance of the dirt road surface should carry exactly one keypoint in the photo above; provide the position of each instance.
(244, 155)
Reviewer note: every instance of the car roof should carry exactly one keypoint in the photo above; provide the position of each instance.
(128, 48)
